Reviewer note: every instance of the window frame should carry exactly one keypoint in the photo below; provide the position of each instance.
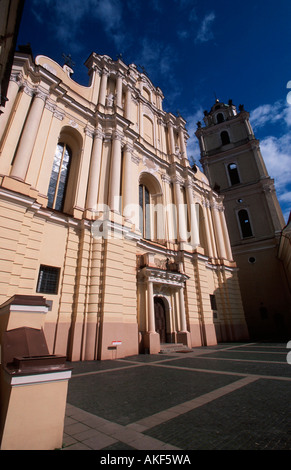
(41, 286)
(224, 133)
(251, 234)
(54, 204)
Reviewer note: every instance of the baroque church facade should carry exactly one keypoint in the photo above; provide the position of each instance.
(103, 216)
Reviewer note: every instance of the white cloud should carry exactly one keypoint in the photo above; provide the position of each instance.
(276, 150)
(267, 114)
(205, 33)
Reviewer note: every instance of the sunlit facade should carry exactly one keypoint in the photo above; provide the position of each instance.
(102, 214)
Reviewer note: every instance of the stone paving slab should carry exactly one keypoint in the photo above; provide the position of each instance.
(230, 396)
(256, 417)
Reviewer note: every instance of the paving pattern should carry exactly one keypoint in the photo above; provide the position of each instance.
(224, 397)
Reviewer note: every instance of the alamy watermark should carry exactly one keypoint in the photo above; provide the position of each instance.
(155, 221)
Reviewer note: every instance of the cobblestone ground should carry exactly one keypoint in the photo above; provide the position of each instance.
(225, 397)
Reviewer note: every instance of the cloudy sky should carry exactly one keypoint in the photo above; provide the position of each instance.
(193, 50)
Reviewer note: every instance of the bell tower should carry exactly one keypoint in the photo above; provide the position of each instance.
(232, 161)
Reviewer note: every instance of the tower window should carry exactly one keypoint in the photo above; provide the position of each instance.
(233, 173)
(245, 224)
(220, 118)
(224, 138)
(59, 177)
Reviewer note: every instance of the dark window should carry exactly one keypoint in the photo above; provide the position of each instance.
(144, 212)
(59, 177)
(213, 305)
(245, 224)
(233, 173)
(220, 118)
(48, 280)
(224, 138)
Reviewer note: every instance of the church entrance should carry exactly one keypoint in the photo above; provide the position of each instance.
(160, 319)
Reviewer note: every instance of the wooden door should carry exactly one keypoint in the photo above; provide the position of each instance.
(160, 319)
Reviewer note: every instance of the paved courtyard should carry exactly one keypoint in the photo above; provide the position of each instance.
(224, 397)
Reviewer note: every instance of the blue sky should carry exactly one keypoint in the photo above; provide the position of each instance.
(193, 50)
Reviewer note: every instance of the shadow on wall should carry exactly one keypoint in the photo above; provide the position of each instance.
(263, 324)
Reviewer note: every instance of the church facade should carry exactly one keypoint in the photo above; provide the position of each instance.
(102, 214)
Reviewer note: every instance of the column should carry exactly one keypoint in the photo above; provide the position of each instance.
(28, 137)
(183, 324)
(128, 104)
(193, 219)
(119, 90)
(207, 231)
(103, 87)
(182, 227)
(115, 172)
(211, 231)
(171, 138)
(127, 178)
(94, 174)
(151, 308)
(182, 143)
(226, 236)
(13, 89)
(219, 233)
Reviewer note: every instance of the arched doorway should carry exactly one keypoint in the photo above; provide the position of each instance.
(160, 319)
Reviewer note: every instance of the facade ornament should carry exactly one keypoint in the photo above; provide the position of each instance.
(89, 132)
(57, 114)
(50, 106)
(40, 94)
(28, 90)
(73, 124)
(110, 100)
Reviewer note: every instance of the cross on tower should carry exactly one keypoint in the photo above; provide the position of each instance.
(68, 60)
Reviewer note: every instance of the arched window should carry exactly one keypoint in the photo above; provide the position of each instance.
(59, 177)
(245, 224)
(224, 138)
(144, 212)
(220, 118)
(233, 173)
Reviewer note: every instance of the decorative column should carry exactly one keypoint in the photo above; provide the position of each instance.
(171, 138)
(14, 85)
(103, 86)
(182, 143)
(181, 235)
(127, 114)
(193, 221)
(151, 308)
(218, 232)
(226, 236)
(213, 251)
(151, 339)
(207, 230)
(182, 311)
(183, 336)
(28, 137)
(115, 172)
(128, 186)
(94, 174)
(119, 90)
